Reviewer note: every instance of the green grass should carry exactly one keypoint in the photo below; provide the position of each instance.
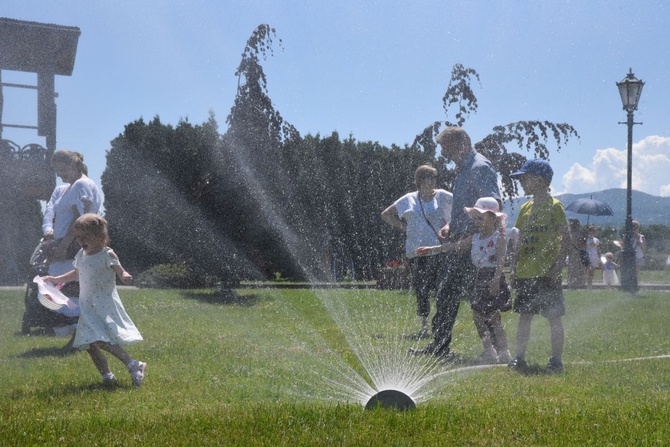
(251, 369)
(644, 276)
(655, 276)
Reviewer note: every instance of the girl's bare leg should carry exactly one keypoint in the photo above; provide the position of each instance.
(483, 330)
(499, 333)
(99, 359)
(117, 351)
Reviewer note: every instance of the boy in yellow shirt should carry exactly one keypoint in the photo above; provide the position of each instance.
(544, 241)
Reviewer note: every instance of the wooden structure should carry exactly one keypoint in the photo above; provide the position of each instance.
(25, 172)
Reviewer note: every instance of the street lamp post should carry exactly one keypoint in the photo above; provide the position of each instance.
(629, 89)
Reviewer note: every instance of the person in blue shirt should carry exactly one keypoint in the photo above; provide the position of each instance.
(476, 178)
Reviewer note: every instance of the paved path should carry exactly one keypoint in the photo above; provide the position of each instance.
(363, 285)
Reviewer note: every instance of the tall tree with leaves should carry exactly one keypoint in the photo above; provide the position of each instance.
(153, 203)
(532, 136)
(253, 185)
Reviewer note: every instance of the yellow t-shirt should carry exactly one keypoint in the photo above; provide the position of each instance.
(540, 237)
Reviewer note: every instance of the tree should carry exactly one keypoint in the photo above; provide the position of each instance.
(252, 185)
(531, 136)
(154, 201)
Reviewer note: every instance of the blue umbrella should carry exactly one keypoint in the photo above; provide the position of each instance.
(590, 207)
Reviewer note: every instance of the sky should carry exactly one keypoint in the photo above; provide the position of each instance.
(375, 70)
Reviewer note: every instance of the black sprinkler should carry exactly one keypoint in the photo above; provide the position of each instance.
(391, 399)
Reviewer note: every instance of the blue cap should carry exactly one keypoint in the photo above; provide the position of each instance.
(535, 166)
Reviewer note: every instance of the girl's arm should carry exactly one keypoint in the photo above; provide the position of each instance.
(501, 250)
(125, 277)
(72, 275)
(445, 248)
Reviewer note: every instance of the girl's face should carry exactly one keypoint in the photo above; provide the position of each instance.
(484, 221)
(90, 242)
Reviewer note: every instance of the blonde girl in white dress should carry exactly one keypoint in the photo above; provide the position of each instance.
(103, 322)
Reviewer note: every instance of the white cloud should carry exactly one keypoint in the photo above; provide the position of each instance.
(608, 169)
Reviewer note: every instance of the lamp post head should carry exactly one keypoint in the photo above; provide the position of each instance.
(630, 89)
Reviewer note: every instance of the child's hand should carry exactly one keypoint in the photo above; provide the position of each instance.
(50, 279)
(126, 278)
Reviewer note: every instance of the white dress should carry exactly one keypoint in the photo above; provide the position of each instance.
(103, 317)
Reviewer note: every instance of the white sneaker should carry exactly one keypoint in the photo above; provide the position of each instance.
(137, 374)
(505, 357)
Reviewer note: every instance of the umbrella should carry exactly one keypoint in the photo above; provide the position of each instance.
(591, 207)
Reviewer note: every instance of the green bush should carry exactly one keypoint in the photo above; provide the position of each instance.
(173, 276)
(655, 261)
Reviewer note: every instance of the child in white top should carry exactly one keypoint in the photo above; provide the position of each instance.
(639, 244)
(609, 271)
(103, 321)
(593, 250)
(491, 295)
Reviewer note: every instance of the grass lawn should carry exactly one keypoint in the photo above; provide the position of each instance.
(655, 276)
(289, 367)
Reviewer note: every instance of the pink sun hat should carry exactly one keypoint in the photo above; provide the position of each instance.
(485, 205)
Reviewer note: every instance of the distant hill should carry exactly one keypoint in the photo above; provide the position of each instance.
(646, 209)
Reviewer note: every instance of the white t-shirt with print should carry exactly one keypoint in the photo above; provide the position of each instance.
(419, 232)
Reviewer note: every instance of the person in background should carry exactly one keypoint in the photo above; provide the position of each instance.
(421, 215)
(545, 241)
(578, 260)
(79, 197)
(593, 251)
(639, 244)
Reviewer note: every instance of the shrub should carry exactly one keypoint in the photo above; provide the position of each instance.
(177, 276)
(655, 261)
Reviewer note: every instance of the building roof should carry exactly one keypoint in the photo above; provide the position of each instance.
(37, 47)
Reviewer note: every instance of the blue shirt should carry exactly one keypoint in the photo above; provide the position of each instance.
(476, 178)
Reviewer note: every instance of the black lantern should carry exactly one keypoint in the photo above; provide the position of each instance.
(630, 90)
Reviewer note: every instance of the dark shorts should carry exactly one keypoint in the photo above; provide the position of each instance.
(539, 296)
(482, 300)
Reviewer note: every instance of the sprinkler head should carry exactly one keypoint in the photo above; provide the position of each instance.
(390, 399)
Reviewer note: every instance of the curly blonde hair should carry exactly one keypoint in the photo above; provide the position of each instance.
(92, 224)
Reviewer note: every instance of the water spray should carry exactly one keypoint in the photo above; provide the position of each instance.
(391, 399)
